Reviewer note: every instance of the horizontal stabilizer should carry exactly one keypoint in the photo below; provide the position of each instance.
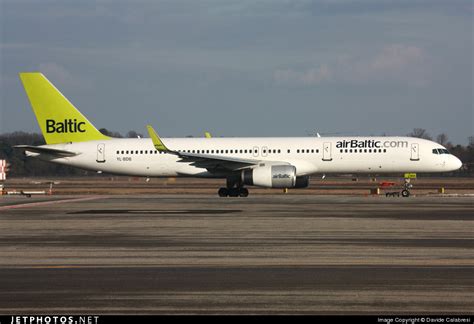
(46, 150)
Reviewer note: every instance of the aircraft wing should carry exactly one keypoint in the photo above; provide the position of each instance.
(216, 162)
(210, 162)
(46, 150)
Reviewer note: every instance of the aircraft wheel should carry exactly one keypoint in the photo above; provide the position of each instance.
(234, 192)
(244, 192)
(405, 193)
(223, 192)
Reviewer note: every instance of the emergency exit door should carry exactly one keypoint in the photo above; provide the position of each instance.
(101, 153)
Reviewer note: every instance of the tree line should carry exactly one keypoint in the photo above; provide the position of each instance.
(21, 166)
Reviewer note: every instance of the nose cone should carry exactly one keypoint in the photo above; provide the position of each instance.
(455, 163)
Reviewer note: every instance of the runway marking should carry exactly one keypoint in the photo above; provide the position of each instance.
(158, 211)
(43, 203)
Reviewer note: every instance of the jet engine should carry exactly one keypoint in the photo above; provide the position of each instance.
(274, 176)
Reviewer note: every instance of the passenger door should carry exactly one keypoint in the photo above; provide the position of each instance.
(327, 152)
(415, 154)
(100, 153)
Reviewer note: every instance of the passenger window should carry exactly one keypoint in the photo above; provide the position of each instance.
(385, 150)
(350, 151)
(345, 150)
(245, 151)
(297, 151)
(340, 151)
(288, 151)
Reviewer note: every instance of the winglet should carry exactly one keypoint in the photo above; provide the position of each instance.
(156, 140)
(207, 134)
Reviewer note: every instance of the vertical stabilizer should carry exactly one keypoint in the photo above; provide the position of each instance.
(59, 120)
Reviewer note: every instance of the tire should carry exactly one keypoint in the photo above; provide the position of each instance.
(223, 192)
(244, 192)
(405, 193)
(234, 192)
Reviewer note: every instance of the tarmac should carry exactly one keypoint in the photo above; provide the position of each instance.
(265, 254)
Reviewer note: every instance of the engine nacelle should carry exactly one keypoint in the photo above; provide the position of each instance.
(274, 176)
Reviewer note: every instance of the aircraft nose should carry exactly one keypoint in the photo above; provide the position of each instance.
(456, 163)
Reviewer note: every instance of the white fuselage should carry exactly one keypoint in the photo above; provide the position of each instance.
(310, 155)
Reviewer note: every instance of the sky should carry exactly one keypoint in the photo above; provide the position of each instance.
(246, 67)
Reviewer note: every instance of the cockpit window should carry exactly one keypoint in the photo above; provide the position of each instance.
(440, 151)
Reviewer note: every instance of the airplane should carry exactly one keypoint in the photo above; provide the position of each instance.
(278, 162)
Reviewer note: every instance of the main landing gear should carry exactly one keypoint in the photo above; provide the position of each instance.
(233, 192)
(234, 188)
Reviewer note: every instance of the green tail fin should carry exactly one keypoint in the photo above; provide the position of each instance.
(59, 120)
